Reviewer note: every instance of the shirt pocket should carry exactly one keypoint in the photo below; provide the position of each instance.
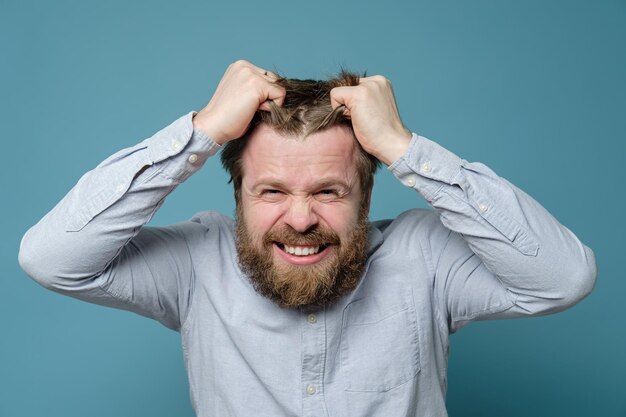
(379, 348)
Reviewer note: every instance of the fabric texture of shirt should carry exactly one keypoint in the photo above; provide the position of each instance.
(486, 251)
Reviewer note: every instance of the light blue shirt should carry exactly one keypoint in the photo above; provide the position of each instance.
(487, 251)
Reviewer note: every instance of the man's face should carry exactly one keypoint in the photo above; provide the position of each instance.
(302, 216)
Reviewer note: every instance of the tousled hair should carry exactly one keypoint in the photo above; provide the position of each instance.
(306, 109)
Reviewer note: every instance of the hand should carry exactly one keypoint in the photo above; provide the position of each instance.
(375, 119)
(244, 89)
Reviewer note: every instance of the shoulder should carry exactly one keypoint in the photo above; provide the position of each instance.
(211, 224)
(410, 221)
(212, 219)
(413, 229)
(201, 227)
(206, 234)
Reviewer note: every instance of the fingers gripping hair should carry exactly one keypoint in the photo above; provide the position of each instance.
(306, 108)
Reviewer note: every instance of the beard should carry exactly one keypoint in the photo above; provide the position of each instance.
(313, 285)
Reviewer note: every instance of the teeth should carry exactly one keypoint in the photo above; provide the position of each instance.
(301, 250)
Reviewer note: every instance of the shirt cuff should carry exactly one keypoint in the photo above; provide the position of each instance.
(427, 167)
(186, 148)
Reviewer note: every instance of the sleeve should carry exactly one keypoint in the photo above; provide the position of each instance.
(92, 245)
(501, 254)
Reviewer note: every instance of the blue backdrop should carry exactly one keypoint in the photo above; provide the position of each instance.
(534, 89)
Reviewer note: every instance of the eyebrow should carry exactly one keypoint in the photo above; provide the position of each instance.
(324, 183)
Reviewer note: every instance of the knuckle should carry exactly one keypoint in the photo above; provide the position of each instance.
(240, 63)
(381, 80)
(247, 72)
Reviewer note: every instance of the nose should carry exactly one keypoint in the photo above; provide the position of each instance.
(300, 215)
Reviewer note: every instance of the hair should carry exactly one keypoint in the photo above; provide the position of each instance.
(306, 110)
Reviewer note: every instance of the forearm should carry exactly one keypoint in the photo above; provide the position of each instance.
(108, 206)
(542, 265)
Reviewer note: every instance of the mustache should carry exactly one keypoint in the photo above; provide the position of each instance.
(311, 237)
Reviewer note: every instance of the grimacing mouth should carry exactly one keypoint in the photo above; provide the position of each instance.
(300, 249)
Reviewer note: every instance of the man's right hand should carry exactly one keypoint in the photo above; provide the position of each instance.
(244, 89)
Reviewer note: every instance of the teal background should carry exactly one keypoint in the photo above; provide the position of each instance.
(534, 89)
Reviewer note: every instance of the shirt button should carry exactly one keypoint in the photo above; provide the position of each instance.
(312, 319)
(410, 182)
(310, 389)
(426, 167)
(176, 145)
(483, 207)
(193, 158)
(119, 188)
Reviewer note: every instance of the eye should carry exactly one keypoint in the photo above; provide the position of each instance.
(327, 195)
(272, 194)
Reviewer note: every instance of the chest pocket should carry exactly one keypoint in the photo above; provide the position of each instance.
(379, 343)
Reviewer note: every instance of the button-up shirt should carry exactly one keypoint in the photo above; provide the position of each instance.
(487, 250)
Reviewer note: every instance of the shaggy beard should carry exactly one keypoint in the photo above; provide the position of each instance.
(319, 284)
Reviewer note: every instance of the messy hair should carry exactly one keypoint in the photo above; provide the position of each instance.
(306, 110)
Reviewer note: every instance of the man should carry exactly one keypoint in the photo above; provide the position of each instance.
(301, 307)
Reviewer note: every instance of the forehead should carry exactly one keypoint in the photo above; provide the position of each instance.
(329, 154)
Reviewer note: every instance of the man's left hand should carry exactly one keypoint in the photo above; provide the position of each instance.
(375, 118)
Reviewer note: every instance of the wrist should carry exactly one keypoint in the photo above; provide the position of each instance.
(395, 147)
(205, 126)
